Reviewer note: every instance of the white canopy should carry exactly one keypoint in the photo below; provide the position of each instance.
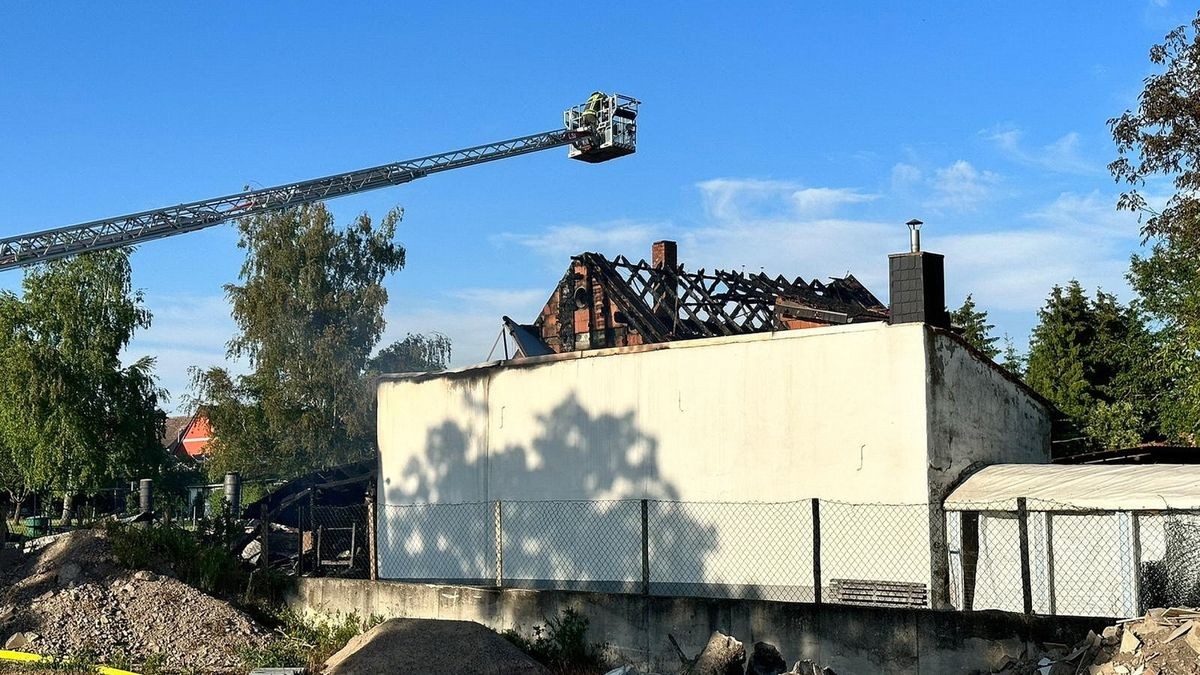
(1083, 487)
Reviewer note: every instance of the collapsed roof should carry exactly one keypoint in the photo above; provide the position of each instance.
(611, 303)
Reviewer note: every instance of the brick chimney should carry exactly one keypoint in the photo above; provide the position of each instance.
(917, 284)
(664, 254)
(664, 258)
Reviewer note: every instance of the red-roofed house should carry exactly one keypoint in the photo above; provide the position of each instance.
(187, 436)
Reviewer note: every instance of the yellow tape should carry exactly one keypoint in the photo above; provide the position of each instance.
(10, 655)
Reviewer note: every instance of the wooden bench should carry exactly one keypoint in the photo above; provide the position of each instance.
(882, 593)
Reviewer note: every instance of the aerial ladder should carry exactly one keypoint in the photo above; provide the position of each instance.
(602, 128)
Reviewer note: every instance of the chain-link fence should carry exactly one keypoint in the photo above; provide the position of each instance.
(802, 551)
(1044, 558)
(1056, 559)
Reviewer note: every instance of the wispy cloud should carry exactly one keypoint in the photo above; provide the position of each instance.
(961, 187)
(560, 242)
(1063, 155)
(741, 198)
(187, 331)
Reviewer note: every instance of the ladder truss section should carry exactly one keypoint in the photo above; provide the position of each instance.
(131, 229)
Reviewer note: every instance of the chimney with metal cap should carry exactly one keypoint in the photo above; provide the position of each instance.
(917, 283)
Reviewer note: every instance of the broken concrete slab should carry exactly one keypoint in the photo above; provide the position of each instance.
(723, 655)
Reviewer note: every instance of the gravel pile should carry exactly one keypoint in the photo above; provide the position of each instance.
(71, 597)
(431, 646)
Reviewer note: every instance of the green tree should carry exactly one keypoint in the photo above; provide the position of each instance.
(413, 354)
(309, 310)
(72, 416)
(1058, 366)
(1159, 142)
(975, 328)
(1011, 359)
(1091, 357)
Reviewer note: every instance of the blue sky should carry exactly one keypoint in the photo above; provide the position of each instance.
(791, 137)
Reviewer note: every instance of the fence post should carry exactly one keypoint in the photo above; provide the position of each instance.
(1051, 592)
(645, 547)
(816, 549)
(1023, 535)
(1135, 527)
(264, 554)
(300, 539)
(372, 541)
(498, 539)
(233, 494)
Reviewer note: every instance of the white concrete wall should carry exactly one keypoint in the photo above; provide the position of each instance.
(842, 414)
(978, 415)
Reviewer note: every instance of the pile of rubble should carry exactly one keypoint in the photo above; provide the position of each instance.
(724, 655)
(71, 598)
(1163, 642)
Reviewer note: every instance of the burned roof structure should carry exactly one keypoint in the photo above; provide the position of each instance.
(615, 303)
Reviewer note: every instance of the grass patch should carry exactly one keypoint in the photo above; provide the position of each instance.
(186, 555)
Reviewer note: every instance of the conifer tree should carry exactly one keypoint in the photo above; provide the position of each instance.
(975, 328)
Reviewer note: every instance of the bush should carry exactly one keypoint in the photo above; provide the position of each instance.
(205, 565)
(308, 642)
(561, 645)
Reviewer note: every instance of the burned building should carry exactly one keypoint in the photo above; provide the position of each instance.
(602, 303)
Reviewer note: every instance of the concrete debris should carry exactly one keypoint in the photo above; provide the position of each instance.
(807, 667)
(1130, 642)
(71, 596)
(765, 660)
(17, 641)
(1166, 641)
(723, 655)
(624, 670)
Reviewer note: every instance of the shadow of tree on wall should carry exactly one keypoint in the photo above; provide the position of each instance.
(570, 514)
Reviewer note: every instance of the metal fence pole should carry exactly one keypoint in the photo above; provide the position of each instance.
(264, 557)
(1051, 591)
(1135, 528)
(372, 541)
(1023, 533)
(816, 549)
(498, 539)
(300, 539)
(645, 547)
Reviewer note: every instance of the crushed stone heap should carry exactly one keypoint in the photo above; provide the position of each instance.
(71, 597)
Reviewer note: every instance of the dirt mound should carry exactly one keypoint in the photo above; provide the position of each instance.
(72, 597)
(431, 646)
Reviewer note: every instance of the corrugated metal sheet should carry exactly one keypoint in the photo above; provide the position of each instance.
(1151, 487)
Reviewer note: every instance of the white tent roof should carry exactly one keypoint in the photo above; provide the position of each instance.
(1084, 487)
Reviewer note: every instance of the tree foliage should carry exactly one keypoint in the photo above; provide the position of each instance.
(414, 354)
(1159, 142)
(975, 328)
(309, 310)
(1012, 360)
(1089, 356)
(72, 416)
